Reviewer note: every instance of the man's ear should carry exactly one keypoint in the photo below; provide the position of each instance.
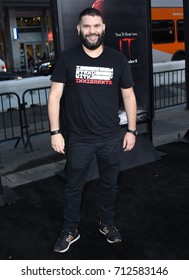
(78, 29)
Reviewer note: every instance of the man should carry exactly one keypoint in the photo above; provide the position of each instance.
(91, 77)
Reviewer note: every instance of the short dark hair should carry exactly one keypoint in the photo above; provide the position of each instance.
(90, 12)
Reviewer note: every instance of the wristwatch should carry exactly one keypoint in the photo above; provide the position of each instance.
(54, 132)
(134, 132)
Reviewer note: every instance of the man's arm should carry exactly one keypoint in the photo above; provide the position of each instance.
(130, 106)
(57, 140)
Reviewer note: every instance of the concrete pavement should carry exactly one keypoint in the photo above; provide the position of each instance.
(19, 167)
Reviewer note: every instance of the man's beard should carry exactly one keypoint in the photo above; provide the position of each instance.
(90, 45)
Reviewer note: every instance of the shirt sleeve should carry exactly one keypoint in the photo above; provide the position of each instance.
(126, 77)
(59, 73)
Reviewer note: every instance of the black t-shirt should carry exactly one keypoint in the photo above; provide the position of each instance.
(92, 88)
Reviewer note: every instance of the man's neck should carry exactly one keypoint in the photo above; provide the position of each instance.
(94, 53)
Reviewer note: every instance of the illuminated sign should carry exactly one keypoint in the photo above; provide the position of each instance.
(50, 36)
(15, 33)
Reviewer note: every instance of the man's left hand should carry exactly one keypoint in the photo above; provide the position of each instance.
(129, 142)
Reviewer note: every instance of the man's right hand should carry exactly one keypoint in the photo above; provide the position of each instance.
(57, 143)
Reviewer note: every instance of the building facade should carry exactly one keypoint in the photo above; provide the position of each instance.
(25, 33)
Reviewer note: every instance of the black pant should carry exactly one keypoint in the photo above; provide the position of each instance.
(79, 158)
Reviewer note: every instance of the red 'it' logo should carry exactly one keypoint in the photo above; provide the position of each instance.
(128, 41)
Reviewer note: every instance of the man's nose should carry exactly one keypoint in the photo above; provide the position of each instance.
(92, 29)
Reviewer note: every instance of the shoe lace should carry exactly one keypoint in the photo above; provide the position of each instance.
(62, 235)
(113, 232)
(112, 229)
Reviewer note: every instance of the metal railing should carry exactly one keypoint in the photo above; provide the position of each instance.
(169, 88)
(11, 123)
(35, 113)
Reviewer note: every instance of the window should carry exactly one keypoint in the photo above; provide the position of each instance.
(29, 24)
(180, 30)
(163, 31)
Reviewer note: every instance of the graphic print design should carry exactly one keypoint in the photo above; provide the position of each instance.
(94, 75)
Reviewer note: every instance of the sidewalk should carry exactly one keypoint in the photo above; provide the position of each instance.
(19, 167)
(170, 124)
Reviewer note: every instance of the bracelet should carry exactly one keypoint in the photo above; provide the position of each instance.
(54, 132)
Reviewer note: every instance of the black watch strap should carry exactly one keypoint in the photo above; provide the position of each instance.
(134, 132)
(54, 132)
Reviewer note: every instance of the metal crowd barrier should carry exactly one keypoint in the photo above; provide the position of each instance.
(34, 106)
(11, 123)
(22, 118)
(169, 88)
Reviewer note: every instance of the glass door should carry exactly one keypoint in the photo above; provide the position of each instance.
(29, 55)
(38, 52)
(23, 64)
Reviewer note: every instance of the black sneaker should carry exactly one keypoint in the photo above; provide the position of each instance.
(64, 241)
(111, 232)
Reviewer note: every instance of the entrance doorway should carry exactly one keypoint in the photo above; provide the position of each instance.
(30, 51)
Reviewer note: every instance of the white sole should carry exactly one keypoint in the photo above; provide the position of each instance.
(71, 242)
(116, 241)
